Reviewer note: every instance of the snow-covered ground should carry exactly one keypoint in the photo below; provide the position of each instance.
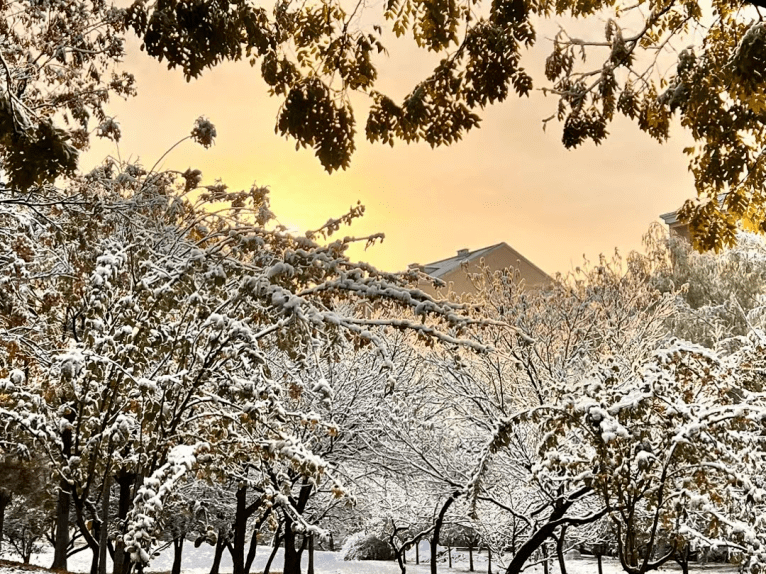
(198, 560)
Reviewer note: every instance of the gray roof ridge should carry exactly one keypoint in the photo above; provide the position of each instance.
(525, 259)
(470, 253)
(449, 264)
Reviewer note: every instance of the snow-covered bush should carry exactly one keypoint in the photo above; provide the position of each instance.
(26, 525)
(364, 546)
(25, 499)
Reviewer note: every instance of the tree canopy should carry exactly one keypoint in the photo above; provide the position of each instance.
(223, 380)
(182, 342)
(700, 63)
(179, 328)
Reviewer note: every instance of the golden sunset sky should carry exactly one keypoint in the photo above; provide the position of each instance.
(507, 181)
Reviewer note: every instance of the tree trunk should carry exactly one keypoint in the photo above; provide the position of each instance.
(631, 551)
(277, 541)
(251, 551)
(178, 549)
(600, 569)
(311, 555)
(220, 544)
(240, 525)
(254, 538)
(104, 538)
(417, 552)
(96, 533)
(398, 552)
(292, 554)
(560, 549)
(243, 514)
(332, 543)
(89, 525)
(682, 558)
(489, 560)
(449, 554)
(437, 530)
(125, 481)
(5, 500)
(555, 520)
(62, 507)
(470, 556)
(62, 527)
(526, 550)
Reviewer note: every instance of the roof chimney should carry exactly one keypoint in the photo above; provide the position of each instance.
(462, 253)
(415, 267)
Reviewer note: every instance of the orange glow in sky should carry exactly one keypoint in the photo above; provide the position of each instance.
(507, 181)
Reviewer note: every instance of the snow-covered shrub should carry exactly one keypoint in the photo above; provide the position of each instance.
(26, 525)
(363, 546)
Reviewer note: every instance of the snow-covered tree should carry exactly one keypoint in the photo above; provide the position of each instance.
(719, 294)
(146, 336)
(26, 524)
(671, 449)
(544, 340)
(58, 64)
(619, 422)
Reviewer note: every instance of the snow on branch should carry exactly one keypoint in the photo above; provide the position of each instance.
(144, 518)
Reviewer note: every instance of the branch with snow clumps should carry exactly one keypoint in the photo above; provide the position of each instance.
(149, 501)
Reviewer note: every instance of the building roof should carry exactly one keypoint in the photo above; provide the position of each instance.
(441, 268)
(670, 218)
